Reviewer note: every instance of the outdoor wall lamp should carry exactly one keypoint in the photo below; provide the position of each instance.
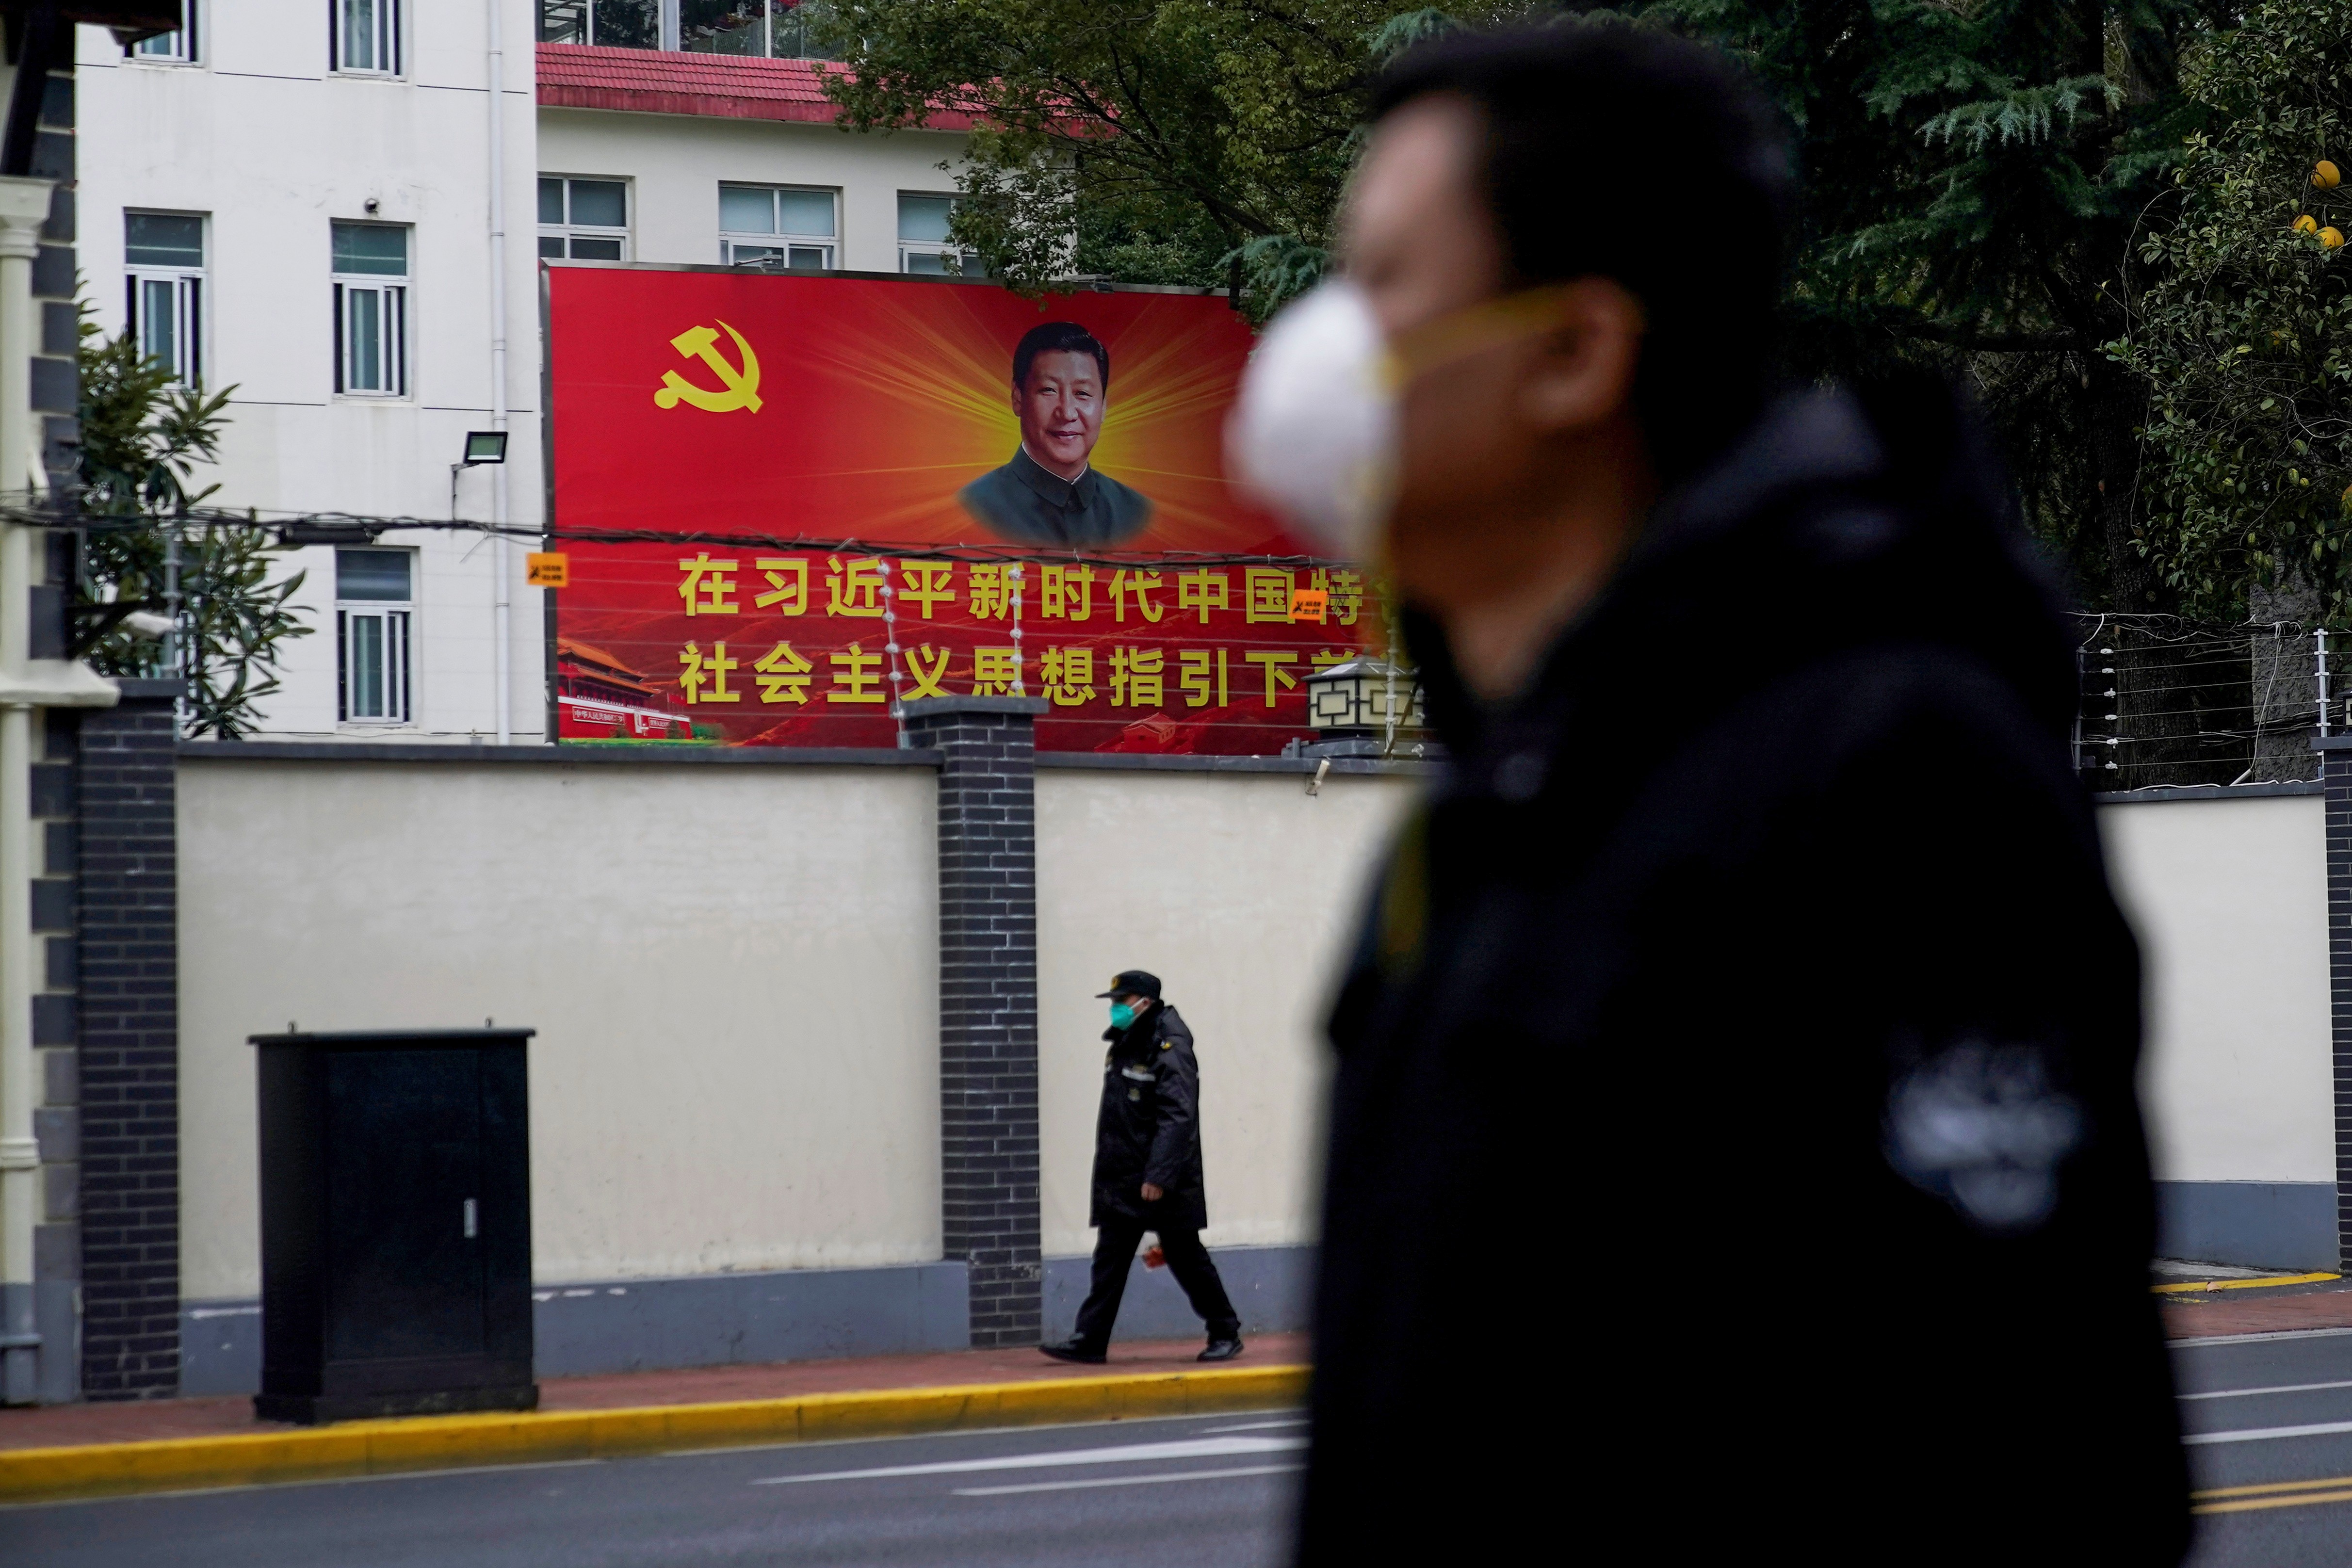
(482, 446)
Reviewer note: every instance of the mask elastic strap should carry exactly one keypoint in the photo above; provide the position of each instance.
(1457, 334)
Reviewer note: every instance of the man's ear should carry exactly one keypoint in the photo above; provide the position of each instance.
(1580, 372)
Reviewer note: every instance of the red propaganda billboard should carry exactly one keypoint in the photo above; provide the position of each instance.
(788, 499)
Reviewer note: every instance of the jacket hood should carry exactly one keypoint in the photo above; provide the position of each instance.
(1840, 520)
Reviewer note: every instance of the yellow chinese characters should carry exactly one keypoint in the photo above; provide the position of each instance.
(782, 675)
(995, 591)
(1137, 678)
(1065, 592)
(708, 588)
(1067, 676)
(857, 677)
(700, 669)
(929, 672)
(857, 590)
(925, 584)
(996, 672)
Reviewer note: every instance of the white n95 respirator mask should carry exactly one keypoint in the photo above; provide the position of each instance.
(1314, 433)
(1313, 436)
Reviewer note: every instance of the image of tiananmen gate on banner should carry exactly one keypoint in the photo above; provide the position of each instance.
(789, 499)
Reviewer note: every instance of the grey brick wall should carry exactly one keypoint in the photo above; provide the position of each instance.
(128, 983)
(988, 1002)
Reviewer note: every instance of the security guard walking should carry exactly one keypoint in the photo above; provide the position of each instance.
(1147, 1171)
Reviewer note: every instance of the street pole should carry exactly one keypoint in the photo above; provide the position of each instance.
(501, 563)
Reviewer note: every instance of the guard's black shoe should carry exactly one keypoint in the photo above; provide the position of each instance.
(1071, 1350)
(1221, 1350)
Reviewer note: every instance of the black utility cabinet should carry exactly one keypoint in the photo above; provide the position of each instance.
(395, 1224)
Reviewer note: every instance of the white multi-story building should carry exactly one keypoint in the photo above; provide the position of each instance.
(301, 199)
(717, 160)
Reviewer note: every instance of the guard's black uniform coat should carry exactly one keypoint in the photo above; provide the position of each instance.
(1150, 1126)
(1734, 1136)
(1148, 1130)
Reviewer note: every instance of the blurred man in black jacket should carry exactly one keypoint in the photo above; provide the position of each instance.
(1735, 1105)
(1146, 1172)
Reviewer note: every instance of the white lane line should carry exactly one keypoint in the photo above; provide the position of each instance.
(1257, 1425)
(1127, 1481)
(2249, 1393)
(1188, 1449)
(2263, 1433)
(2257, 1338)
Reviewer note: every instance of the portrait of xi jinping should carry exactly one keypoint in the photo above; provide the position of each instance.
(1050, 493)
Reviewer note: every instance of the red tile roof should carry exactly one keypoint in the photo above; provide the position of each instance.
(729, 86)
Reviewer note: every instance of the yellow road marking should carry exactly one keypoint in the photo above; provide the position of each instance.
(2203, 1285)
(2296, 1500)
(2274, 1486)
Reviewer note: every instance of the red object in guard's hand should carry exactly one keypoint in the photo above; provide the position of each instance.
(1153, 1257)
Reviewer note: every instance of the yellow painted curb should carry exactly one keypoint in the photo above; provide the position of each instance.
(448, 1442)
(2263, 1281)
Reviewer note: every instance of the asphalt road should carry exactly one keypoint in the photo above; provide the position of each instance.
(2269, 1424)
(1199, 1492)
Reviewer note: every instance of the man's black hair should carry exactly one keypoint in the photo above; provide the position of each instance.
(1635, 156)
(1057, 338)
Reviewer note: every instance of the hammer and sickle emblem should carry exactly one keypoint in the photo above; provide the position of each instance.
(741, 388)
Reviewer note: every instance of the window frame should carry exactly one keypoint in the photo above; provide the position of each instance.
(391, 313)
(392, 17)
(780, 239)
(187, 51)
(568, 230)
(397, 648)
(966, 258)
(189, 318)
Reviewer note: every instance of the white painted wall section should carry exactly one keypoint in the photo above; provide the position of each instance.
(2230, 900)
(1241, 892)
(733, 972)
(271, 147)
(675, 164)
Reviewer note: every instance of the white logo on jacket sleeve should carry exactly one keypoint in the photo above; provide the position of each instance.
(1980, 1127)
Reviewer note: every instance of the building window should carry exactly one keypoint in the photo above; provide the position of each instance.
(615, 24)
(777, 29)
(764, 223)
(923, 244)
(164, 258)
(365, 37)
(370, 310)
(177, 47)
(582, 220)
(375, 601)
(773, 29)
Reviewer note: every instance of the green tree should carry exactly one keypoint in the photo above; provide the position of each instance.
(1973, 172)
(143, 436)
(2241, 327)
(1182, 142)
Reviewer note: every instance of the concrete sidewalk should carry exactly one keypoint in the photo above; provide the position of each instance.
(2273, 1309)
(95, 1450)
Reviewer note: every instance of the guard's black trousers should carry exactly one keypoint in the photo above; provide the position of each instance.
(1186, 1260)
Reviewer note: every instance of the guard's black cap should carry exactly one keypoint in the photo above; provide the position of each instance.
(1132, 983)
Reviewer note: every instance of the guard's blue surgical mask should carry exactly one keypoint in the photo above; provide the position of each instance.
(1122, 1015)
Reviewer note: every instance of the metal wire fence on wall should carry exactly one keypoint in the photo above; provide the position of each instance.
(2167, 702)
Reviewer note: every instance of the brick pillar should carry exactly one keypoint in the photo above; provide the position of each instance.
(57, 1127)
(129, 1007)
(988, 1002)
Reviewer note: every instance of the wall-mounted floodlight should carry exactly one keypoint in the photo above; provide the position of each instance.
(482, 446)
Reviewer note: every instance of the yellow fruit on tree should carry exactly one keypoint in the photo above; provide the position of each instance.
(2306, 225)
(2332, 237)
(2324, 176)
